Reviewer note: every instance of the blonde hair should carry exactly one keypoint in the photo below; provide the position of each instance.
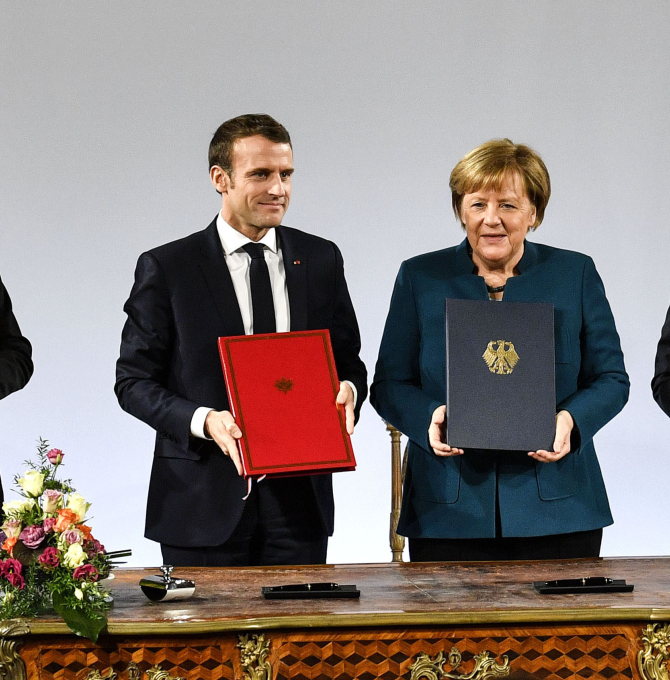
(487, 167)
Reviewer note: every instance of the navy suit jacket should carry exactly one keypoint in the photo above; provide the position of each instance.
(183, 300)
(455, 497)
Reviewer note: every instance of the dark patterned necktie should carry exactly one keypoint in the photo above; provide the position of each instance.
(263, 309)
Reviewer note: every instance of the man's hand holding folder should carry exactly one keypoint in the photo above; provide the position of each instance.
(222, 428)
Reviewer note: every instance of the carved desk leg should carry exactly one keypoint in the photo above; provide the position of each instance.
(653, 657)
(12, 666)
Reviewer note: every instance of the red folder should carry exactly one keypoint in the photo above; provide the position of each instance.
(282, 389)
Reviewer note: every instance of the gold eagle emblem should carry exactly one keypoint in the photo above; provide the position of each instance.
(501, 357)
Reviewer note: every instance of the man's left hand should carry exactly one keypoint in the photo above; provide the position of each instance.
(345, 397)
(564, 425)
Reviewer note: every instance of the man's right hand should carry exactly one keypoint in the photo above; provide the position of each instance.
(222, 428)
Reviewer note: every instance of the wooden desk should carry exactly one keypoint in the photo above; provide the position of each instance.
(485, 620)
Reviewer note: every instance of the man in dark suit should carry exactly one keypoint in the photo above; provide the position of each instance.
(660, 385)
(245, 273)
(16, 365)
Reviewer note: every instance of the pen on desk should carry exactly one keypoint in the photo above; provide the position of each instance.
(306, 586)
(576, 582)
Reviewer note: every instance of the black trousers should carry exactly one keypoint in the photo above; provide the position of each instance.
(556, 547)
(281, 524)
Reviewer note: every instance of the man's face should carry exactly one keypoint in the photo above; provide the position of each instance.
(257, 194)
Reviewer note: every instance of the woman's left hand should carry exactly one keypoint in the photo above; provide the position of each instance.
(564, 425)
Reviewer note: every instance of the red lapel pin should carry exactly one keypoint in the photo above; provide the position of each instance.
(296, 261)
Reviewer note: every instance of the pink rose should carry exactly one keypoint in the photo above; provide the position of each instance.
(49, 524)
(49, 558)
(72, 536)
(94, 547)
(32, 536)
(16, 580)
(87, 572)
(10, 566)
(51, 500)
(55, 456)
(12, 528)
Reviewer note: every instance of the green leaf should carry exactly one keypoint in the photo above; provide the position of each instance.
(78, 621)
(28, 555)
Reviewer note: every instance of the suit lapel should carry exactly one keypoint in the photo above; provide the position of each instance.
(519, 287)
(220, 285)
(295, 267)
(464, 283)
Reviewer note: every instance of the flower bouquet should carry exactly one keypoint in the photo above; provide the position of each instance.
(48, 556)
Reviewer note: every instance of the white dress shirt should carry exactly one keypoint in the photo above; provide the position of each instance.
(238, 262)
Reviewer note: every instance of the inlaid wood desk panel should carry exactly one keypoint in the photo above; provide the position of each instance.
(412, 621)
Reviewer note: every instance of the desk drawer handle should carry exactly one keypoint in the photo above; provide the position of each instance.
(134, 673)
(431, 669)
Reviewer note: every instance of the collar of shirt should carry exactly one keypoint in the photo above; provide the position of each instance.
(232, 240)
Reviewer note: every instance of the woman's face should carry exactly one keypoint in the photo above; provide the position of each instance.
(496, 223)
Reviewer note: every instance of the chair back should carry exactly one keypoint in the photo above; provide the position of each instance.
(397, 477)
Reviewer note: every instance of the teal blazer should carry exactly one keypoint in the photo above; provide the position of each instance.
(455, 497)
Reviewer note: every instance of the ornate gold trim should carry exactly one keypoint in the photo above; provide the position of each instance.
(97, 675)
(134, 673)
(485, 667)
(254, 651)
(157, 673)
(12, 666)
(652, 658)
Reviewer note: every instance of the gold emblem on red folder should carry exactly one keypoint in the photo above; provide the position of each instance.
(284, 385)
(501, 357)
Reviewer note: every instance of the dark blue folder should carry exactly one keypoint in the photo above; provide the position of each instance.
(500, 375)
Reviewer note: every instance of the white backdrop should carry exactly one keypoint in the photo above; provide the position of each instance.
(106, 112)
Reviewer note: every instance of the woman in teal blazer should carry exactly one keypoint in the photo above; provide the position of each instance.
(501, 505)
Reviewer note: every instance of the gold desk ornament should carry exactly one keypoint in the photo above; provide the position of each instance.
(652, 658)
(502, 359)
(485, 667)
(157, 673)
(12, 666)
(134, 672)
(97, 675)
(254, 651)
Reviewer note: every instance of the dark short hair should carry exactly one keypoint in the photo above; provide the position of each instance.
(248, 125)
(488, 165)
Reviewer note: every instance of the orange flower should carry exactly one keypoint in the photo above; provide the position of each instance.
(9, 544)
(65, 519)
(86, 531)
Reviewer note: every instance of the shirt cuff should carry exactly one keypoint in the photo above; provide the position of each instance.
(198, 422)
(353, 388)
